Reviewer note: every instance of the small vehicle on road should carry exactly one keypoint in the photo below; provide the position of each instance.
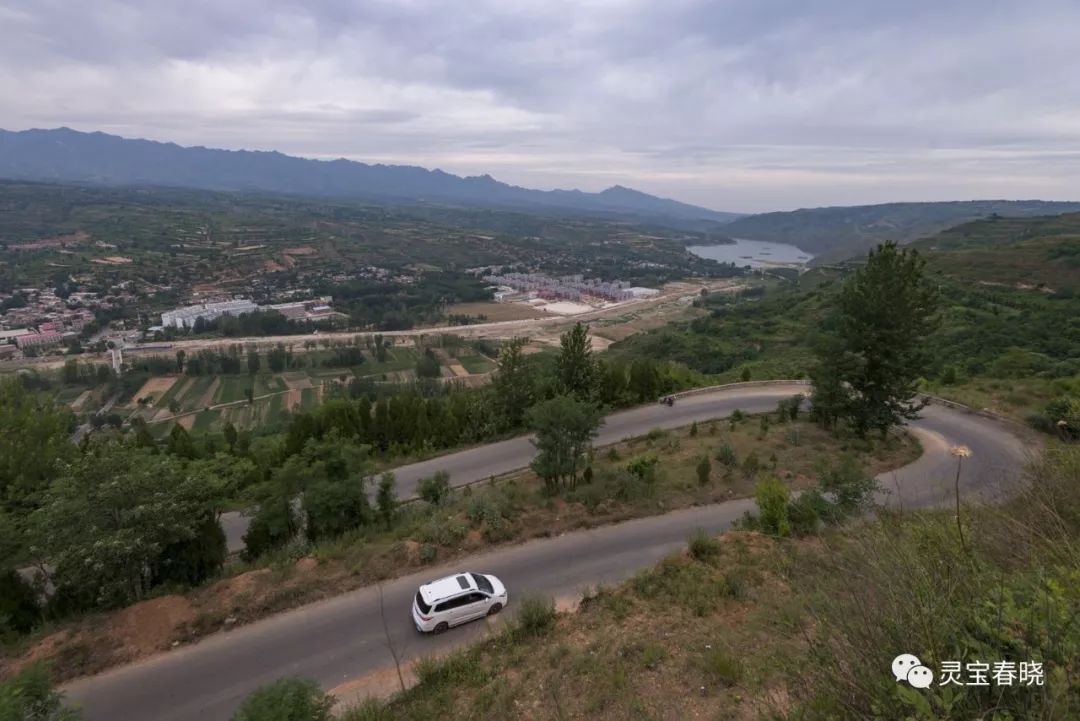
(457, 599)
(667, 401)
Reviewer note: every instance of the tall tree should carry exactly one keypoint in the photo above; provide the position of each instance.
(34, 443)
(876, 344)
(512, 384)
(576, 366)
(253, 361)
(111, 525)
(565, 427)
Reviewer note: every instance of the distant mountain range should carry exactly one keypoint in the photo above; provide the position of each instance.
(69, 156)
(837, 233)
(65, 155)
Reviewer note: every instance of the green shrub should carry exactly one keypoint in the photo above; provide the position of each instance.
(644, 467)
(29, 696)
(726, 455)
(772, 498)
(486, 508)
(335, 506)
(703, 547)
(435, 489)
(290, 699)
(442, 532)
(536, 617)
(272, 527)
(591, 496)
(704, 471)
(851, 488)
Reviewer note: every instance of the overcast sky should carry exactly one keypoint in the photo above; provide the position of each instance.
(736, 105)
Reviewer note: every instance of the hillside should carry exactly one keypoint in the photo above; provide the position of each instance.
(1024, 253)
(840, 232)
(1009, 337)
(67, 155)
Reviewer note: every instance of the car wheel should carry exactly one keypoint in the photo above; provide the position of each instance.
(441, 628)
(495, 608)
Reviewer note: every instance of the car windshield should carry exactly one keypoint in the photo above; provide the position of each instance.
(424, 608)
(483, 583)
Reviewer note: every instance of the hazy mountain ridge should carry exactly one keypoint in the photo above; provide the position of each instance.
(838, 232)
(66, 155)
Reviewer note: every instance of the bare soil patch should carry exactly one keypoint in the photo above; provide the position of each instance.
(78, 403)
(155, 388)
(495, 312)
(79, 236)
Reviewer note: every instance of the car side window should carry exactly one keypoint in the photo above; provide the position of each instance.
(475, 597)
(454, 603)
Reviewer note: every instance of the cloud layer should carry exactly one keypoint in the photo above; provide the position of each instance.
(748, 105)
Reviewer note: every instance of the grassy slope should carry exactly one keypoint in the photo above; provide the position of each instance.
(751, 627)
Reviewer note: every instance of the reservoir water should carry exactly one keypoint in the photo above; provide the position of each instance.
(755, 253)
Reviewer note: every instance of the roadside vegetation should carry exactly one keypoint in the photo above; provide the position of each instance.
(760, 626)
(341, 540)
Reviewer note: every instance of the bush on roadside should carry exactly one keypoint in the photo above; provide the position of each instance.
(704, 471)
(29, 696)
(289, 699)
(435, 489)
(272, 527)
(703, 547)
(773, 499)
(644, 467)
(536, 616)
(726, 455)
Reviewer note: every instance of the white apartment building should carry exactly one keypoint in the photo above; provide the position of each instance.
(186, 317)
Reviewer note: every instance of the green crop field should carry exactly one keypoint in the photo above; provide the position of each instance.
(476, 363)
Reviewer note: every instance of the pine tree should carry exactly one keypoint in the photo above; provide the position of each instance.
(512, 385)
(875, 345)
(576, 366)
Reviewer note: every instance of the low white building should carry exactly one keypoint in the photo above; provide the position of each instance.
(638, 292)
(186, 317)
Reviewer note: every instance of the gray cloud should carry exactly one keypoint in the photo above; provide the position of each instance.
(746, 105)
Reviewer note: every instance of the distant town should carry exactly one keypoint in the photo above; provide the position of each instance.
(36, 322)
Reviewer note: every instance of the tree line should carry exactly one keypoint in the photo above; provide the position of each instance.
(109, 520)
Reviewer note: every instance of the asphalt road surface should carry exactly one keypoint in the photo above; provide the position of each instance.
(341, 639)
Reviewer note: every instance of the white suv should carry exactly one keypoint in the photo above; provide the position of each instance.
(456, 599)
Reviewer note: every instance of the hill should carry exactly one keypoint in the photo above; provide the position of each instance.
(67, 155)
(1023, 253)
(1009, 339)
(841, 232)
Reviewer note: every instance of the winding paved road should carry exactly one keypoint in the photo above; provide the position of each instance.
(342, 638)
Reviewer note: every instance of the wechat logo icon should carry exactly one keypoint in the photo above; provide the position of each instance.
(907, 667)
